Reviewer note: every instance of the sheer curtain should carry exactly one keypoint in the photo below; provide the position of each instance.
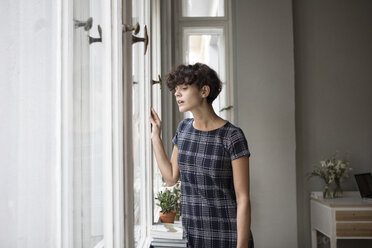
(29, 123)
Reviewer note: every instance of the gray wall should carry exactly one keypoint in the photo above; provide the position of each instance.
(333, 102)
(333, 65)
(265, 109)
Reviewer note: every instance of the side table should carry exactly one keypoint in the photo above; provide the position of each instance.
(349, 217)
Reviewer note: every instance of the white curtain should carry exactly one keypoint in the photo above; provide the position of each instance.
(29, 123)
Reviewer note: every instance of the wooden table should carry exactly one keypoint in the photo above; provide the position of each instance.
(349, 217)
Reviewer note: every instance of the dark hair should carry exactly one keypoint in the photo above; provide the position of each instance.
(199, 74)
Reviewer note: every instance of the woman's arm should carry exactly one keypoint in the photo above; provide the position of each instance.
(241, 184)
(168, 169)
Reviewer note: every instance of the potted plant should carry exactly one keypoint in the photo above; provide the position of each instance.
(168, 202)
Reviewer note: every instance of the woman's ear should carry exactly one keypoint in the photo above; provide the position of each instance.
(205, 90)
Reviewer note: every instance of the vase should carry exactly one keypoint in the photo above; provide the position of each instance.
(327, 194)
(168, 217)
(337, 192)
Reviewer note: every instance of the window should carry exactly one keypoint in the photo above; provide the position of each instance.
(91, 129)
(204, 35)
(142, 92)
(91, 180)
(197, 8)
(207, 45)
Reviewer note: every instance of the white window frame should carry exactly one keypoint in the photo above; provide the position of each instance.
(151, 97)
(113, 175)
(224, 22)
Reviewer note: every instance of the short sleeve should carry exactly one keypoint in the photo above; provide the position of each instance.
(175, 138)
(238, 146)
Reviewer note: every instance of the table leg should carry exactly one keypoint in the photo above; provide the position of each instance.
(333, 242)
(314, 243)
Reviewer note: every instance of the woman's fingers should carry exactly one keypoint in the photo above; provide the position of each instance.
(151, 119)
(155, 114)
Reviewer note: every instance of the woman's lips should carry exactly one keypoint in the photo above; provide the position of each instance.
(180, 102)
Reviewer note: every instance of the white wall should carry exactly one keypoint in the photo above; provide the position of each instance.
(265, 110)
(29, 123)
(333, 93)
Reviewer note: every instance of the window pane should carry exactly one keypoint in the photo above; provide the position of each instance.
(138, 126)
(98, 135)
(137, 157)
(204, 8)
(207, 46)
(90, 130)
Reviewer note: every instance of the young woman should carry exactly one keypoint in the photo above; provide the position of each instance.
(211, 158)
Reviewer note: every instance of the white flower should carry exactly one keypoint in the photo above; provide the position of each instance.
(323, 163)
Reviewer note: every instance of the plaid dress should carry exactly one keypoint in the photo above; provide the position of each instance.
(208, 201)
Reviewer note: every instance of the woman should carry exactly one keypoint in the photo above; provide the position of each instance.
(211, 158)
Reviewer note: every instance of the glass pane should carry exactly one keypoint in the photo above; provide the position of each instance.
(97, 113)
(138, 125)
(90, 111)
(207, 46)
(204, 8)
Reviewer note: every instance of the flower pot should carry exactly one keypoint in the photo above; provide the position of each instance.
(168, 217)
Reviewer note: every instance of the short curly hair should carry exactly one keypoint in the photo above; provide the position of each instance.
(199, 74)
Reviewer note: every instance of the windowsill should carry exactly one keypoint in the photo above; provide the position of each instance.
(148, 238)
(147, 242)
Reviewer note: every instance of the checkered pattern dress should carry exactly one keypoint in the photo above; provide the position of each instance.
(208, 201)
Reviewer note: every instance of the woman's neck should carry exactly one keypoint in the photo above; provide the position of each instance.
(206, 119)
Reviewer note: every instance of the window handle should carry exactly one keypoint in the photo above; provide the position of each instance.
(92, 40)
(145, 40)
(87, 24)
(157, 82)
(226, 108)
(135, 28)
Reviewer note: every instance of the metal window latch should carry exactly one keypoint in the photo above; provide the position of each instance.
(226, 108)
(157, 82)
(145, 40)
(87, 24)
(92, 40)
(135, 28)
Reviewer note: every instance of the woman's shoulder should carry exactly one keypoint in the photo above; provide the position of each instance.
(233, 128)
(184, 123)
(234, 132)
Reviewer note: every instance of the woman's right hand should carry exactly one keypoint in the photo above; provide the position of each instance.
(155, 124)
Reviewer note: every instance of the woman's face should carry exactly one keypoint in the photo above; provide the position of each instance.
(188, 97)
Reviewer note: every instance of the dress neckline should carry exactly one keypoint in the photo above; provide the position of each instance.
(202, 131)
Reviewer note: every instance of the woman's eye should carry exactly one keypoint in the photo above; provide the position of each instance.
(185, 88)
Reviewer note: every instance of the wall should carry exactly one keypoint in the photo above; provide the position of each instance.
(265, 109)
(333, 55)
